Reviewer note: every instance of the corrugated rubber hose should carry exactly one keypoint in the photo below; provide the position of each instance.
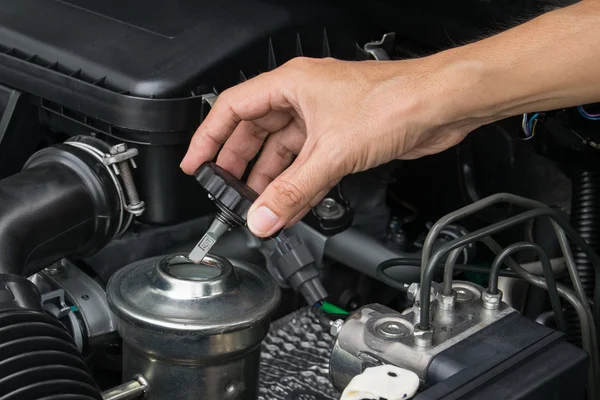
(585, 218)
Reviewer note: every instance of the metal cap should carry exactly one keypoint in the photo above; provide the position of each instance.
(176, 308)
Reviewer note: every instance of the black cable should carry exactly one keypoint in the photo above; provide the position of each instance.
(430, 268)
(548, 274)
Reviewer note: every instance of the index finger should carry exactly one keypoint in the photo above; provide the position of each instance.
(247, 101)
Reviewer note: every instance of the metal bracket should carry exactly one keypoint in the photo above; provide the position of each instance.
(121, 161)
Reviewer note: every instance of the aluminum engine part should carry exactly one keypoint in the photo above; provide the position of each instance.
(193, 330)
(376, 335)
(87, 297)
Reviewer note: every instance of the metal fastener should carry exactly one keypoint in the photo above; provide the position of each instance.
(491, 301)
(336, 327)
(412, 291)
(446, 302)
(393, 330)
(121, 160)
(422, 337)
(328, 208)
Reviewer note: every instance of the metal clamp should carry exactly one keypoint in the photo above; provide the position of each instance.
(121, 161)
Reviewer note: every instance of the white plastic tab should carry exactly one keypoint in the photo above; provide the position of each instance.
(384, 382)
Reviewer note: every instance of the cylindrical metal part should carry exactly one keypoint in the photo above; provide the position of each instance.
(193, 330)
(129, 390)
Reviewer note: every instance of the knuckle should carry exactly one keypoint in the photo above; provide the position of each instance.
(282, 151)
(288, 194)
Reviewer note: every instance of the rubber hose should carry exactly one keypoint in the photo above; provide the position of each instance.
(64, 203)
(38, 358)
(585, 218)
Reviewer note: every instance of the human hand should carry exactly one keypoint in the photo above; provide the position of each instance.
(319, 120)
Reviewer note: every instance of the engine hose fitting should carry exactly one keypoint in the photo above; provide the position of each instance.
(585, 218)
(38, 358)
(65, 202)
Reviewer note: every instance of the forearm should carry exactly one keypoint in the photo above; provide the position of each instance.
(548, 63)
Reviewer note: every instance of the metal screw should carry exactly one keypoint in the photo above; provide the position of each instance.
(329, 204)
(464, 295)
(85, 297)
(412, 291)
(393, 330)
(336, 327)
(135, 206)
(328, 208)
(55, 269)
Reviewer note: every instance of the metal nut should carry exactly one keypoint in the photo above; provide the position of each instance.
(423, 338)
(412, 291)
(446, 302)
(491, 301)
(336, 327)
(329, 209)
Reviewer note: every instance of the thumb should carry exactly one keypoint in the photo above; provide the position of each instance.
(290, 193)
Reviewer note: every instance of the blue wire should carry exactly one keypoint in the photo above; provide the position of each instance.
(586, 115)
(530, 123)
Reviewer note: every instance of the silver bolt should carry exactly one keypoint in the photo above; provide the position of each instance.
(463, 294)
(393, 330)
(491, 301)
(329, 204)
(412, 291)
(135, 206)
(423, 338)
(54, 269)
(336, 327)
(328, 208)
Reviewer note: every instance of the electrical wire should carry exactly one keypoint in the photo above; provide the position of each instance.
(548, 273)
(528, 125)
(558, 223)
(587, 115)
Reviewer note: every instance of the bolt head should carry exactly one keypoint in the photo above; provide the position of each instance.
(336, 327)
(423, 338)
(446, 302)
(491, 301)
(412, 291)
(118, 148)
(329, 204)
(393, 329)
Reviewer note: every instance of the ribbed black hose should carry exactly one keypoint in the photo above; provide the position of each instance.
(585, 218)
(38, 359)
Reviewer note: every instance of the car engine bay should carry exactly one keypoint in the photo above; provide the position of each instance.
(470, 274)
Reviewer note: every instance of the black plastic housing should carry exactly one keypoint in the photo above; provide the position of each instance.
(512, 359)
(135, 71)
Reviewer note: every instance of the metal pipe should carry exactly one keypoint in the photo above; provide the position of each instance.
(128, 390)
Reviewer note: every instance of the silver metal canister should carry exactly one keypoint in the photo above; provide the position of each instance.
(193, 331)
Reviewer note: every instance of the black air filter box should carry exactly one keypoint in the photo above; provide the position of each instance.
(135, 70)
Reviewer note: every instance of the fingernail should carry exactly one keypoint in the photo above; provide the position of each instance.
(262, 221)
